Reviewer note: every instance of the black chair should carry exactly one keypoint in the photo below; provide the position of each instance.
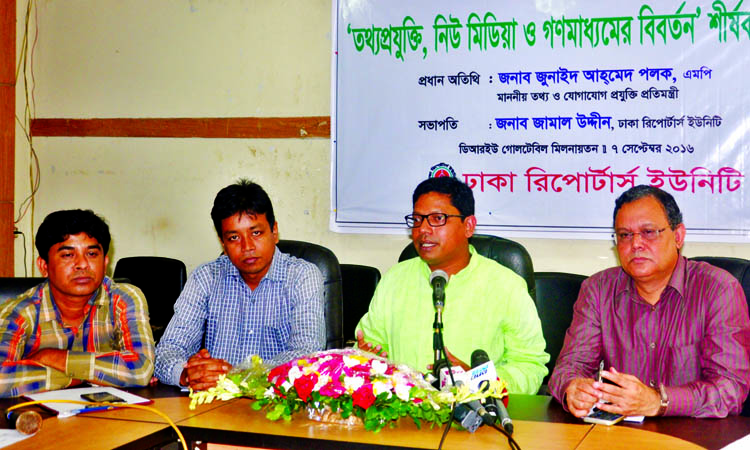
(740, 269)
(509, 253)
(556, 292)
(359, 286)
(161, 280)
(11, 287)
(328, 264)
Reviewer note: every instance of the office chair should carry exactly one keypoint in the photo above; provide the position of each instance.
(161, 280)
(328, 264)
(556, 292)
(11, 287)
(359, 283)
(509, 253)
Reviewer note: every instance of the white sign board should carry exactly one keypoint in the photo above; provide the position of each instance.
(547, 110)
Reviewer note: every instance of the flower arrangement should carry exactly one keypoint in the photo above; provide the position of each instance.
(347, 382)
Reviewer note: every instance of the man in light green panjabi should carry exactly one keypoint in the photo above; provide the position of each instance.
(487, 306)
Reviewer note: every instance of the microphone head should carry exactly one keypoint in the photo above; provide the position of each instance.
(438, 274)
(479, 357)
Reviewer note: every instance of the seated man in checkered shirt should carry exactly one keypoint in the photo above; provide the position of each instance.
(252, 300)
(78, 325)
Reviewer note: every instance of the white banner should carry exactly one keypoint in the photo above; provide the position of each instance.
(548, 110)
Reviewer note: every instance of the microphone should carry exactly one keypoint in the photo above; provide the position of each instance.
(26, 422)
(476, 415)
(479, 357)
(438, 280)
(467, 418)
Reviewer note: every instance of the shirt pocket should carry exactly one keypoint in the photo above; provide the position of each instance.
(683, 365)
(275, 338)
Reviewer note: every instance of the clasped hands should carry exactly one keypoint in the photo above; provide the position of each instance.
(628, 396)
(202, 371)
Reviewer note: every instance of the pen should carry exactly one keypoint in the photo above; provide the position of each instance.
(601, 368)
(92, 409)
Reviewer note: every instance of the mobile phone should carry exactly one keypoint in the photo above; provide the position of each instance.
(101, 397)
(603, 417)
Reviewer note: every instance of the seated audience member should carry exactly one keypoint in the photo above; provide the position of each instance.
(487, 306)
(673, 334)
(252, 300)
(78, 325)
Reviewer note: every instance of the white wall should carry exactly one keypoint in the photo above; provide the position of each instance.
(205, 58)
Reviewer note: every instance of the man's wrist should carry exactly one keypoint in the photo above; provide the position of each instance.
(663, 400)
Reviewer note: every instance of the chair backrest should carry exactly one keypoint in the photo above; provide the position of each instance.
(11, 287)
(359, 283)
(161, 280)
(509, 253)
(740, 269)
(556, 292)
(328, 264)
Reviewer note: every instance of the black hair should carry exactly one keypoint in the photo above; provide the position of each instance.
(60, 225)
(462, 198)
(244, 196)
(668, 203)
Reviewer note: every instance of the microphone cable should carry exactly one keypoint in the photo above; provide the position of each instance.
(113, 405)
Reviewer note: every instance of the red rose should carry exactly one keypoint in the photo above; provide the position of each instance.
(304, 385)
(278, 374)
(363, 396)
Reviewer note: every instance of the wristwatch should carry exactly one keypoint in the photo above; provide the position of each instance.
(664, 400)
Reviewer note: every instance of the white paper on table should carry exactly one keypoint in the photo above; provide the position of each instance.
(741, 443)
(71, 409)
(636, 419)
(8, 437)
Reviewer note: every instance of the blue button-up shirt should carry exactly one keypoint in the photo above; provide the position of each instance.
(280, 320)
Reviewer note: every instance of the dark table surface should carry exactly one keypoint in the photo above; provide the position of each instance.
(709, 433)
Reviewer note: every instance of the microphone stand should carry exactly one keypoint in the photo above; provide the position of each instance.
(441, 360)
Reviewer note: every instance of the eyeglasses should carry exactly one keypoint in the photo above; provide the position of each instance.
(434, 219)
(622, 237)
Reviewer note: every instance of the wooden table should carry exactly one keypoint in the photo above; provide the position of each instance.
(539, 421)
(82, 433)
(236, 424)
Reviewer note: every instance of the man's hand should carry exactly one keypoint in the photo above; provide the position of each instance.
(629, 398)
(51, 357)
(201, 371)
(368, 346)
(581, 396)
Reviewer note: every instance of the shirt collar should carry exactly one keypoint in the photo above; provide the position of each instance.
(463, 273)
(677, 281)
(49, 311)
(275, 271)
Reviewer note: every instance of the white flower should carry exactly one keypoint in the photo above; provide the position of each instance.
(379, 367)
(294, 373)
(350, 362)
(353, 383)
(402, 392)
(227, 385)
(378, 387)
(269, 393)
(286, 385)
(322, 381)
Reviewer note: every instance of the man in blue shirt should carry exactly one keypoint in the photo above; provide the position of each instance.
(252, 300)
